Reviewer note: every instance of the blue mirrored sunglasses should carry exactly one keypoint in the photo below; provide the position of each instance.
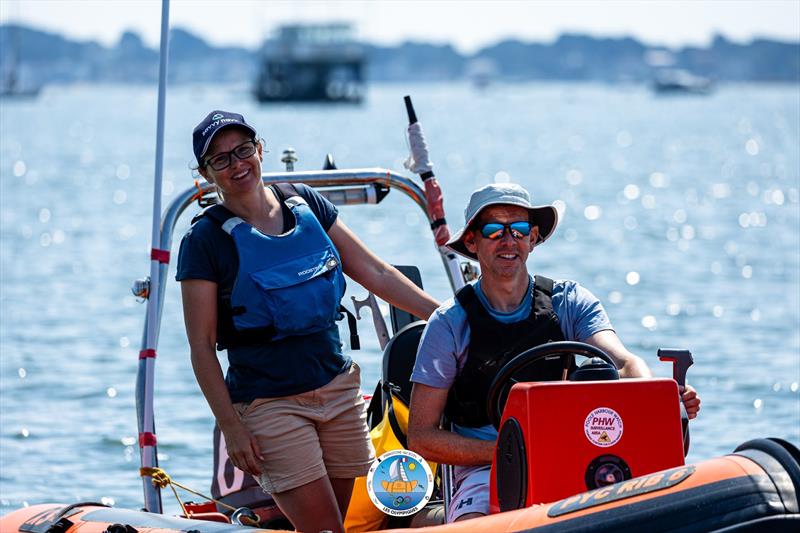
(496, 230)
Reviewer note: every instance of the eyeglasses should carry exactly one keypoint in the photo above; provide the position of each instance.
(496, 230)
(223, 160)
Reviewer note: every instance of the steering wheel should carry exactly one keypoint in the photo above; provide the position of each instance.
(504, 380)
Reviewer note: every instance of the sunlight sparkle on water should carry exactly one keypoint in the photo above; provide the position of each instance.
(775, 196)
(720, 190)
(758, 403)
(592, 212)
(632, 278)
(631, 191)
(672, 234)
(111, 392)
(648, 201)
(123, 171)
(659, 180)
(20, 168)
(649, 322)
(22, 373)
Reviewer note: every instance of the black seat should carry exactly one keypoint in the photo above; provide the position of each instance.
(398, 359)
(398, 362)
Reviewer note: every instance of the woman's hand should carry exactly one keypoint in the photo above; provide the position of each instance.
(243, 448)
(691, 401)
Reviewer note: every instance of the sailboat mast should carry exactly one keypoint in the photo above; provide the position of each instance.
(158, 259)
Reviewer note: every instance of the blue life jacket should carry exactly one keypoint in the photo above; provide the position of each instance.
(289, 284)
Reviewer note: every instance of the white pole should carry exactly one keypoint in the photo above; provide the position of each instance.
(147, 357)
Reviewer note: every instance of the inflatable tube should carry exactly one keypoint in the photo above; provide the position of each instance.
(98, 518)
(756, 488)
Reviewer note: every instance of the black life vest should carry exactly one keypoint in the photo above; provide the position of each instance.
(492, 344)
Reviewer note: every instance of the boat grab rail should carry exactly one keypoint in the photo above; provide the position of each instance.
(370, 180)
(320, 178)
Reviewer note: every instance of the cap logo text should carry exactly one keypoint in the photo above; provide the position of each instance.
(218, 122)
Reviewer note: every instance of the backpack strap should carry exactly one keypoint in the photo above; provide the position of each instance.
(217, 212)
(284, 191)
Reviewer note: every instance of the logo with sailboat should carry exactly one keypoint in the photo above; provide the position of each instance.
(400, 482)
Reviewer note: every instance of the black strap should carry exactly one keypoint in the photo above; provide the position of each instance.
(438, 222)
(217, 212)
(396, 429)
(284, 190)
(544, 284)
(355, 343)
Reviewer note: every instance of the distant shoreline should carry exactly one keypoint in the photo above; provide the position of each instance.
(47, 58)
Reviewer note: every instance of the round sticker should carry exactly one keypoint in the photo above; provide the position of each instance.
(399, 483)
(603, 427)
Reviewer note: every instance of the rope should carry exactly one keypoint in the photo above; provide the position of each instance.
(161, 479)
(199, 194)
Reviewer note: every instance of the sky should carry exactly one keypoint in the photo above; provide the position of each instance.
(466, 24)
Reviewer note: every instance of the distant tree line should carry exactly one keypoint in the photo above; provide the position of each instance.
(44, 57)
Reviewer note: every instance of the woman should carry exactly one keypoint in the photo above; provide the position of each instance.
(261, 276)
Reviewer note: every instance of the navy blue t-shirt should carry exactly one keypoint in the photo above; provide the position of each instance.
(291, 365)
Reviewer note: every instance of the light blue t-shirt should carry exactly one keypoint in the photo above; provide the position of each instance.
(445, 340)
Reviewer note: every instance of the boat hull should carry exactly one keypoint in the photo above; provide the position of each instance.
(755, 488)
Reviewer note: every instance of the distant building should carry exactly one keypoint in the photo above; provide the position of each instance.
(311, 63)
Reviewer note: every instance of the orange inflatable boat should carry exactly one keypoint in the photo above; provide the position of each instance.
(754, 489)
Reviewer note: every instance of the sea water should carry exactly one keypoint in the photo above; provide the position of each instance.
(680, 213)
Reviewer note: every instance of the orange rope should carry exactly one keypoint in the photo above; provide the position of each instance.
(199, 193)
(161, 479)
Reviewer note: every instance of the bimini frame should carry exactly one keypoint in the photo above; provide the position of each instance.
(341, 187)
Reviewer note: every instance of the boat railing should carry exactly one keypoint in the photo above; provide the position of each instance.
(340, 186)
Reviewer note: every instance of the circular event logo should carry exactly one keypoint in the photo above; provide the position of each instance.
(603, 427)
(399, 483)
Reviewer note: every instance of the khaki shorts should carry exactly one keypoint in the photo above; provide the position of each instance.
(307, 436)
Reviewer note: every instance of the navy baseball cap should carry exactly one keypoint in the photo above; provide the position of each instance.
(215, 122)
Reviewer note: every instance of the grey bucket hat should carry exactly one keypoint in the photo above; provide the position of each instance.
(544, 216)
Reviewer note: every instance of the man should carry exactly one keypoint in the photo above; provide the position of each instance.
(501, 315)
